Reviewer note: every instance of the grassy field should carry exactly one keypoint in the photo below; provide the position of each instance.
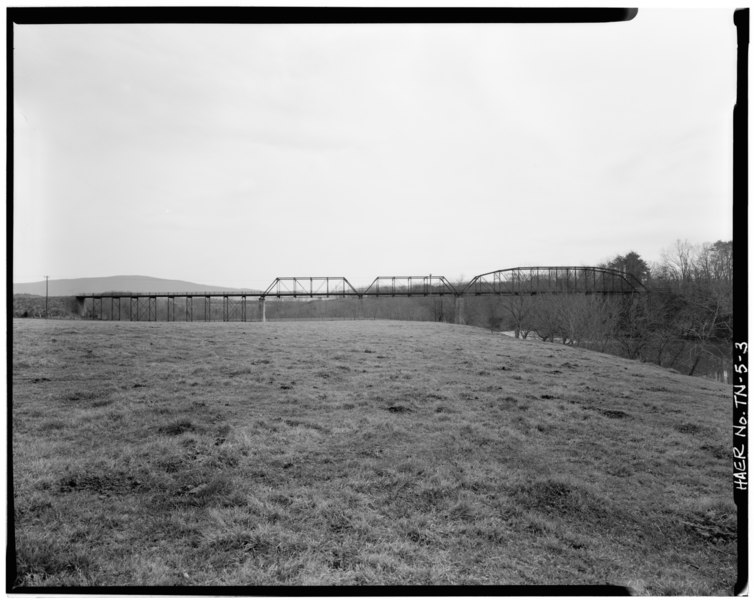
(361, 452)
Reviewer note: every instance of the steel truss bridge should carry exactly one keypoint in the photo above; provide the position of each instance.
(504, 282)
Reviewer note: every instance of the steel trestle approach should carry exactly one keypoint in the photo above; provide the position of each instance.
(504, 282)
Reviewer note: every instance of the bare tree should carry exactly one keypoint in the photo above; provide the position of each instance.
(520, 309)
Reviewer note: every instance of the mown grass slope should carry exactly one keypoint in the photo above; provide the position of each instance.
(366, 452)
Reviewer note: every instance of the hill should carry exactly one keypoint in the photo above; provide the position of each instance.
(361, 452)
(117, 283)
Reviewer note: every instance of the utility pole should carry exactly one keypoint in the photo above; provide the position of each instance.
(47, 289)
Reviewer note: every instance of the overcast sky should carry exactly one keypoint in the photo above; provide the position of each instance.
(233, 154)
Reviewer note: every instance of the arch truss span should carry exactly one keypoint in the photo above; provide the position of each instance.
(410, 285)
(554, 280)
(310, 287)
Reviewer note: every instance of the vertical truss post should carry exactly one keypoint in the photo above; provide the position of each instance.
(207, 308)
(243, 309)
(225, 309)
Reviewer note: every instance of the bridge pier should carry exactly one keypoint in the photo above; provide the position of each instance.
(262, 315)
(458, 310)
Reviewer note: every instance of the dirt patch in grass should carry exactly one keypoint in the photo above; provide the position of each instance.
(567, 501)
(108, 483)
(691, 428)
(615, 414)
(176, 427)
(81, 396)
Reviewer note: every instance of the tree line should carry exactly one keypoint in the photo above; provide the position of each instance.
(685, 322)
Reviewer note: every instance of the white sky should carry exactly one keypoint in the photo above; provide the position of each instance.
(233, 154)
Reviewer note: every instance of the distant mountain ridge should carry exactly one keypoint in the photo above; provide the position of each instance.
(116, 283)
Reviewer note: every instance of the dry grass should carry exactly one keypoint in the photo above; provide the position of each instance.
(358, 453)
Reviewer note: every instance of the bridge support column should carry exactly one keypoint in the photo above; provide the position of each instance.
(458, 311)
(80, 306)
(262, 315)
